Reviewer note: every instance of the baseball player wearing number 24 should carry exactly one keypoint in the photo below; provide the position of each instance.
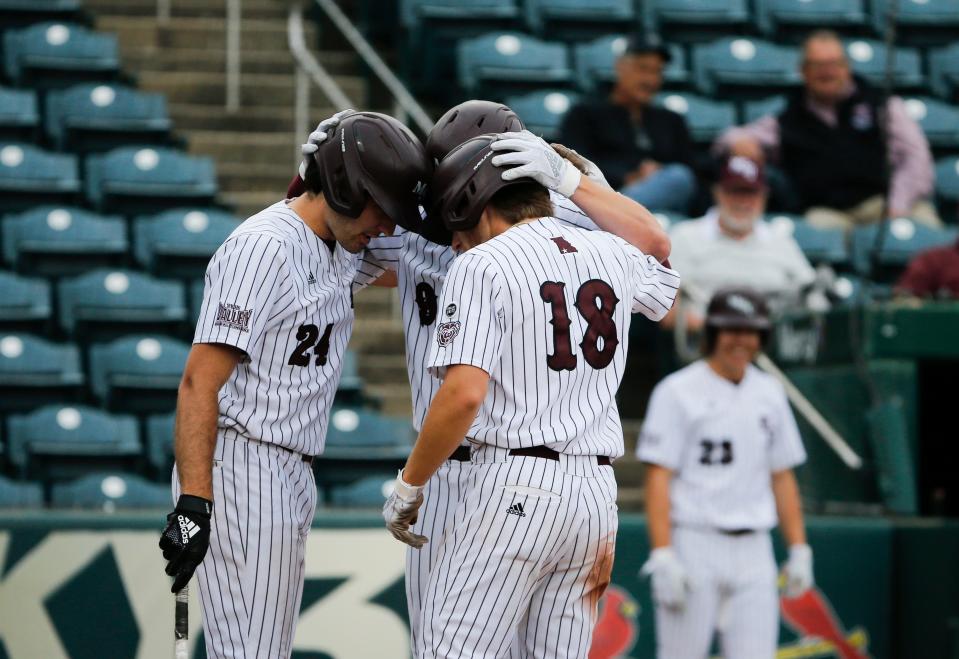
(533, 326)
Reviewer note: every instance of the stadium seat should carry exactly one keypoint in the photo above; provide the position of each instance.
(919, 22)
(360, 442)
(98, 117)
(430, 14)
(111, 491)
(501, 61)
(594, 63)
(180, 242)
(24, 303)
(159, 444)
(138, 373)
(944, 72)
(744, 65)
(59, 441)
(542, 111)
(19, 117)
(196, 299)
(705, 117)
(47, 55)
(135, 180)
(55, 241)
(848, 290)
(575, 19)
(30, 176)
(694, 20)
(20, 495)
(676, 73)
(902, 240)
(821, 246)
(776, 18)
(34, 371)
(938, 120)
(350, 389)
(753, 110)
(868, 58)
(947, 186)
(17, 13)
(108, 303)
(368, 492)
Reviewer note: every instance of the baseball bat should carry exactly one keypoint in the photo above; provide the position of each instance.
(811, 414)
(181, 623)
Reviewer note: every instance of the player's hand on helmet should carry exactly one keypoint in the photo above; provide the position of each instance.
(318, 136)
(798, 571)
(400, 512)
(670, 579)
(584, 165)
(186, 538)
(529, 156)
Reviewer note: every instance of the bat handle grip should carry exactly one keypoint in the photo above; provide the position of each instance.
(181, 623)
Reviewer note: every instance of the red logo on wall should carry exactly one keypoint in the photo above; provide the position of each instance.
(812, 617)
(616, 630)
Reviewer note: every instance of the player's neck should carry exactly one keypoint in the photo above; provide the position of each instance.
(312, 210)
(726, 371)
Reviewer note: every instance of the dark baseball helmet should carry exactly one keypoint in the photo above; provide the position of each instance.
(464, 182)
(736, 309)
(467, 120)
(373, 156)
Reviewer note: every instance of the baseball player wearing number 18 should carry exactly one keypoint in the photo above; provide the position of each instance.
(720, 445)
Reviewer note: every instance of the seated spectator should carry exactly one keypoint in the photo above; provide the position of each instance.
(731, 246)
(644, 151)
(829, 141)
(932, 274)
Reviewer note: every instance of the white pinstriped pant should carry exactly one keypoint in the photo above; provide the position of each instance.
(251, 580)
(733, 592)
(526, 562)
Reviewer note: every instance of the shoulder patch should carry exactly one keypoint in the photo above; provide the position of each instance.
(450, 310)
(233, 317)
(446, 332)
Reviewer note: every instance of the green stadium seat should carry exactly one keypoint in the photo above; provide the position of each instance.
(944, 72)
(947, 185)
(542, 111)
(349, 392)
(694, 20)
(594, 63)
(745, 65)
(196, 299)
(108, 303)
(18, 13)
(498, 61)
(59, 442)
(778, 17)
(98, 117)
(47, 55)
(34, 371)
(919, 22)
(24, 303)
(111, 491)
(20, 495)
(848, 290)
(901, 242)
(427, 14)
(868, 58)
(705, 118)
(368, 492)
(134, 180)
(676, 73)
(55, 241)
(575, 19)
(19, 117)
(30, 176)
(753, 110)
(938, 120)
(821, 246)
(159, 444)
(139, 373)
(180, 242)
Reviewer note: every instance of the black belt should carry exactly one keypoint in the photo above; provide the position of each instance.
(308, 459)
(550, 454)
(461, 454)
(736, 532)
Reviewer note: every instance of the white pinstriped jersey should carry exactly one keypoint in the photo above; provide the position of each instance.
(277, 292)
(421, 268)
(545, 309)
(722, 440)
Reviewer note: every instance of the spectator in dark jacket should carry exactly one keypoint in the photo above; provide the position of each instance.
(644, 151)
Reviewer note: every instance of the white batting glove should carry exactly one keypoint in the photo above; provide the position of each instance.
(318, 136)
(531, 157)
(669, 577)
(582, 163)
(400, 512)
(798, 571)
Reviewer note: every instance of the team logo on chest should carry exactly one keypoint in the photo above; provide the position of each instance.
(233, 317)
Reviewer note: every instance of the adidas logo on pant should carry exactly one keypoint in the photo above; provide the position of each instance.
(516, 509)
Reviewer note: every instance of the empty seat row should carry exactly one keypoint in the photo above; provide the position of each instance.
(127, 180)
(54, 54)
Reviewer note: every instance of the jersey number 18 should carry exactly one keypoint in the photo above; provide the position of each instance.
(599, 324)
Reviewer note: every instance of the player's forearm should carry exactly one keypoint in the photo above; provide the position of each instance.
(623, 217)
(789, 507)
(195, 438)
(657, 506)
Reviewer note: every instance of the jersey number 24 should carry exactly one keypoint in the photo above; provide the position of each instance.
(596, 301)
(309, 337)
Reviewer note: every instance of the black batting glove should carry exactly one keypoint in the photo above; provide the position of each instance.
(186, 538)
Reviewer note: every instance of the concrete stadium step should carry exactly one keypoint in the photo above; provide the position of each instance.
(146, 34)
(396, 397)
(266, 118)
(256, 90)
(383, 368)
(244, 147)
(375, 301)
(378, 336)
(254, 177)
(186, 8)
(214, 61)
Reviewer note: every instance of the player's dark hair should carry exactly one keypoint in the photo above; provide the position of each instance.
(312, 179)
(523, 201)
